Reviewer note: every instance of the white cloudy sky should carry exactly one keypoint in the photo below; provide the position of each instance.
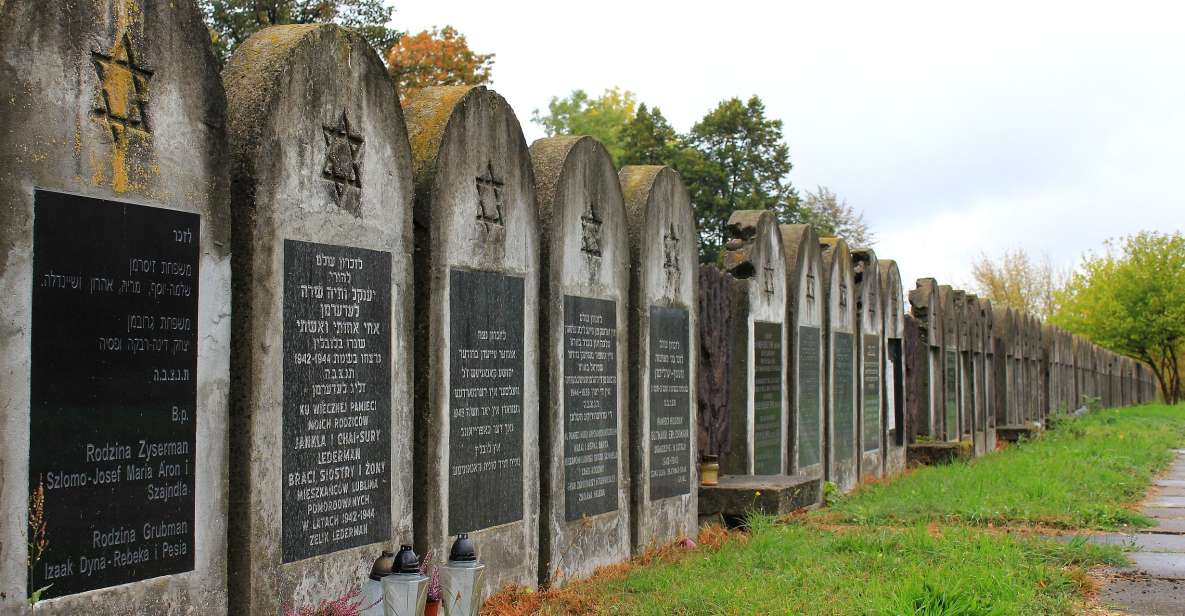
(958, 127)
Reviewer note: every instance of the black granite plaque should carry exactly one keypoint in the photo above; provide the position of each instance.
(843, 410)
(670, 403)
(591, 439)
(809, 410)
(952, 395)
(337, 399)
(485, 400)
(871, 407)
(113, 392)
(767, 398)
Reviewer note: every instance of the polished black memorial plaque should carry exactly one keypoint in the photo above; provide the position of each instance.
(767, 398)
(843, 394)
(952, 395)
(591, 438)
(337, 399)
(871, 400)
(113, 392)
(485, 421)
(809, 409)
(670, 403)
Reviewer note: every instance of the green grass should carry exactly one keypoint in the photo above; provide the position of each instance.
(1083, 474)
(919, 545)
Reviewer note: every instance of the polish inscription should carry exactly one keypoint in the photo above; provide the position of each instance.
(113, 393)
(591, 439)
(871, 407)
(767, 398)
(843, 395)
(808, 396)
(337, 398)
(670, 403)
(485, 400)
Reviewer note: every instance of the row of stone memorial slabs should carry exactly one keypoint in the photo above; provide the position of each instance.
(202, 421)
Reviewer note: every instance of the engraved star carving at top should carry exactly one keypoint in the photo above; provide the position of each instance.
(489, 197)
(843, 295)
(590, 231)
(810, 284)
(122, 99)
(670, 243)
(769, 281)
(343, 164)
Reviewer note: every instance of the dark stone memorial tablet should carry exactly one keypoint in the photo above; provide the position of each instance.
(952, 395)
(808, 395)
(485, 400)
(670, 403)
(337, 398)
(767, 398)
(872, 393)
(591, 439)
(113, 388)
(843, 393)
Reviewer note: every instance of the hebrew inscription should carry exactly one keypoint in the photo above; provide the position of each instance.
(871, 409)
(843, 397)
(670, 403)
(767, 398)
(809, 409)
(591, 439)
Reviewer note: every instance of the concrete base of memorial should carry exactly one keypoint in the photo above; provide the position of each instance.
(1014, 433)
(777, 495)
(929, 454)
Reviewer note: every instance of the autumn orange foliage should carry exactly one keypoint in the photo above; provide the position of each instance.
(437, 57)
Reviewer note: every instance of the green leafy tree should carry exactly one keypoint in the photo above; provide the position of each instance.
(1132, 300)
(1019, 282)
(649, 139)
(578, 114)
(830, 215)
(745, 164)
(231, 21)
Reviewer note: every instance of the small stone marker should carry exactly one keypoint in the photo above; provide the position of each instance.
(807, 301)
(322, 437)
(477, 282)
(893, 392)
(866, 275)
(583, 368)
(115, 261)
(662, 354)
(758, 427)
(840, 327)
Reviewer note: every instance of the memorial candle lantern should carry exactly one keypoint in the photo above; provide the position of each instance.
(405, 591)
(463, 579)
(372, 590)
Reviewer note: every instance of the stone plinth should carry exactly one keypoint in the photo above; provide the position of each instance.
(929, 454)
(736, 496)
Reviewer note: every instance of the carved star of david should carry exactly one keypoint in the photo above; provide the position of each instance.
(872, 309)
(810, 284)
(769, 281)
(343, 164)
(590, 229)
(489, 197)
(122, 99)
(843, 295)
(670, 243)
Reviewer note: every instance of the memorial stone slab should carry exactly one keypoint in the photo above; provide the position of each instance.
(807, 302)
(869, 316)
(663, 337)
(476, 332)
(840, 333)
(927, 417)
(975, 367)
(988, 371)
(322, 403)
(758, 426)
(584, 383)
(895, 376)
(114, 341)
(950, 364)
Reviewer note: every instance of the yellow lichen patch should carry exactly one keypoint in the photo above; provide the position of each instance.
(427, 112)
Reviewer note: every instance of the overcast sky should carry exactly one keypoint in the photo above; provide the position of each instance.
(957, 127)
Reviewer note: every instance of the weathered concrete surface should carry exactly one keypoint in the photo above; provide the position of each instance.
(1014, 433)
(929, 454)
(870, 350)
(474, 212)
(738, 495)
(155, 139)
(663, 276)
(896, 375)
(806, 301)
(841, 330)
(584, 252)
(294, 93)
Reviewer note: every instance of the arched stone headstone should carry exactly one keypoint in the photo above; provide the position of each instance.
(988, 369)
(322, 396)
(950, 364)
(584, 381)
(927, 414)
(115, 267)
(758, 426)
(807, 301)
(895, 375)
(663, 358)
(866, 276)
(476, 337)
(963, 389)
(841, 327)
(973, 361)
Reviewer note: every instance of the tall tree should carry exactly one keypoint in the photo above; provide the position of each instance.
(437, 57)
(1130, 300)
(603, 117)
(829, 215)
(649, 139)
(746, 167)
(231, 21)
(1019, 282)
